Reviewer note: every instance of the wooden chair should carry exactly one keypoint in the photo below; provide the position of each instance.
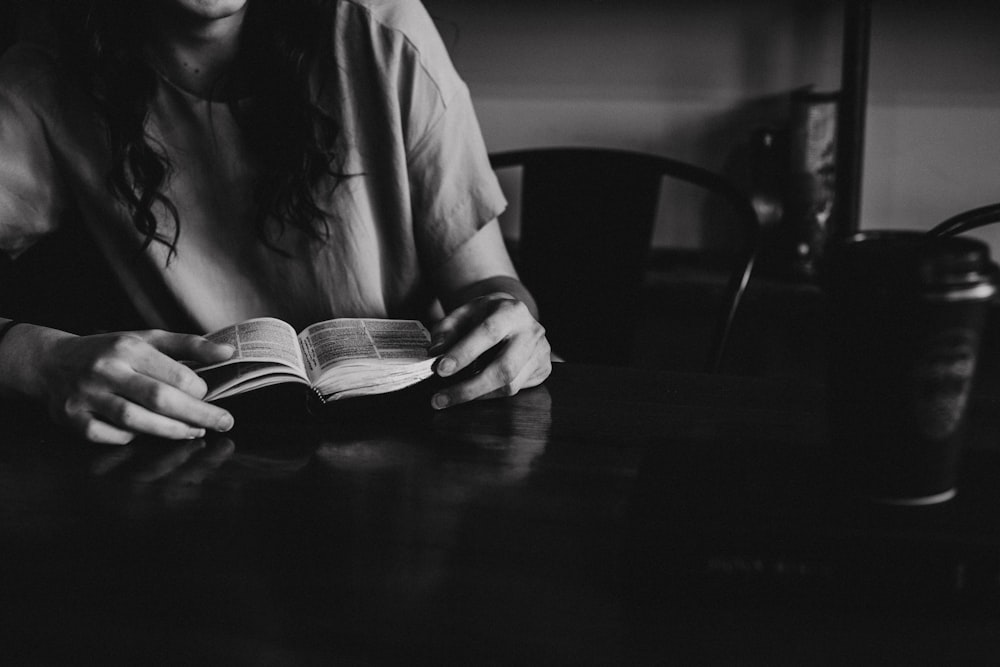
(587, 219)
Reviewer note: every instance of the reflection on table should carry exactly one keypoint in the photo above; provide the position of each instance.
(551, 527)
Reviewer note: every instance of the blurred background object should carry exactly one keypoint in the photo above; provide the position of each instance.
(791, 173)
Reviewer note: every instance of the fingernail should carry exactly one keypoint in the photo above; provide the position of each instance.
(227, 349)
(446, 366)
(225, 423)
(440, 401)
(196, 433)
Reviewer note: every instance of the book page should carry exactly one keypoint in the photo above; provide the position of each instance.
(261, 340)
(326, 344)
(231, 379)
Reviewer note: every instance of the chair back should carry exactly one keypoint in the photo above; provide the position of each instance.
(587, 218)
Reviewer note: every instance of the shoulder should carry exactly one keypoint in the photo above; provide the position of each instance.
(33, 93)
(403, 30)
(41, 106)
(405, 16)
(28, 70)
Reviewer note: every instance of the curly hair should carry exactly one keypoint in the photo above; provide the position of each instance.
(101, 43)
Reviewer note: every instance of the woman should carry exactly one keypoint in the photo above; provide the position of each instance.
(239, 158)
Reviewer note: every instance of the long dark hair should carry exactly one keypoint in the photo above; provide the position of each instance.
(101, 44)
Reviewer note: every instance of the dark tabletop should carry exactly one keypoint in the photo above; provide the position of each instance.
(609, 516)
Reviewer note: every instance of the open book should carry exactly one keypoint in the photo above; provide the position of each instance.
(338, 358)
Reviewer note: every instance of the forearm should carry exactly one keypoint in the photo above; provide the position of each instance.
(21, 350)
(479, 267)
(492, 285)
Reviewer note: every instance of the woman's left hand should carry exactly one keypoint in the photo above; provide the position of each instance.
(496, 320)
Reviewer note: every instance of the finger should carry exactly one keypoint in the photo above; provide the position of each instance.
(507, 390)
(129, 416)
(492, 330)
(504, 376)
(134, 351)
(188, 347)
(533, 371)
(188, 416)
(168, 401)
(445, 332)
(162, 368)
(98, 431)
(534, 378)
(543, 369)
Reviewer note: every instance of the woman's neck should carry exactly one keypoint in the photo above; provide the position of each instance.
(196, 55)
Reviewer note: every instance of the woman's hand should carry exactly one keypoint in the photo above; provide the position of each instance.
(111, 387)
(497, 320)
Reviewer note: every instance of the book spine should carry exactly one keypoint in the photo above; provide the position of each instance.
(319, 395)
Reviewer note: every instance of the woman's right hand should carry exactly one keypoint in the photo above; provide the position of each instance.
(111, 387)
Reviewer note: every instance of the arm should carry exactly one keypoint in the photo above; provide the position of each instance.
(488, 307)
(111, 387)
(481, 266)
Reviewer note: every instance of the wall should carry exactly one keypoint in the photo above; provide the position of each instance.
(933, 139)
(692, 79)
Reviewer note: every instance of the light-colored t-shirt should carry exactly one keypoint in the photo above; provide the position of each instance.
(421, 184)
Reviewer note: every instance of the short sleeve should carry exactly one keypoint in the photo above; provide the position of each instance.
(30, 199)
(453, 189)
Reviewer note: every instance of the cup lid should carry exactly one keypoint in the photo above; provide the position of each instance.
(905, 259)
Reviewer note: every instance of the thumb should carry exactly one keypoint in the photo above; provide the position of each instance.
(443, 335)
(189, 347)
(449, 329)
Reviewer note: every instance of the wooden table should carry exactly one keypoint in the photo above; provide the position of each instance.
(584, 522)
